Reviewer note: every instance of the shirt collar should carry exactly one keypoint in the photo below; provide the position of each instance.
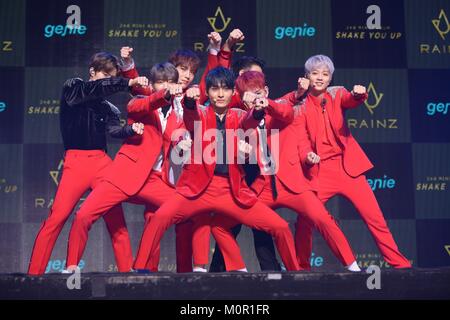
(168, 112)
(318, 100)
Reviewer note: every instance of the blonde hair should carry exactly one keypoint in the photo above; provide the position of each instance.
(317, 61)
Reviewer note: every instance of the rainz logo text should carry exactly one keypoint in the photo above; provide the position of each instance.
(233, 309)
(7, 46)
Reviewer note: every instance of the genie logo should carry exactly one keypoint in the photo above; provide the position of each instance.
(2, 106)
(381, 183)
(51, 30)
(60, 265)
(73, 24)
(433, 108)
(316, 261)
(294, 32)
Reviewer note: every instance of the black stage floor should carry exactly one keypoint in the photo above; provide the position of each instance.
(395, 284)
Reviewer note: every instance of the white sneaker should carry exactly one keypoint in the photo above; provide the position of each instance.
(70, 269)
(199, 269)
(354, 267)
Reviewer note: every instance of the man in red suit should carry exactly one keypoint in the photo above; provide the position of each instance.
(342, 161)
(85, 118)
(165, 170)
(263, 243)
(281, 182)
(187, 64)
(213, 180)
(139, 171)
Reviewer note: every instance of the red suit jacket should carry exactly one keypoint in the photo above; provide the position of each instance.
(135, 159)
(196, 177)
(282, 116)
(355, 161)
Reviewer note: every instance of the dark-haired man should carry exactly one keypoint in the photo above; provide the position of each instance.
(187, 64)
(213, 182)
(84, 120)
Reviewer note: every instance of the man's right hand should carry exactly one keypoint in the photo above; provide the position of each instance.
(249, 99)
(193, 93)
(261, 103)
(235, 36)
(214, 40)
(138, 128)
(244, 147)
(312, 158)
(125, 54)
(303, 86)
(174, 89)
(185, 144)
(139, 81)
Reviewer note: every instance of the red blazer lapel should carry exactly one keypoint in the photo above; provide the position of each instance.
(170, 126)
(311, 121)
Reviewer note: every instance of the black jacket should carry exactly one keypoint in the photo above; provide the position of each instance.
(85, 116)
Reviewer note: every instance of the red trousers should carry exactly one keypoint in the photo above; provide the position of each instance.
(217, 198)
(183, 243)
(333, 180)
(306, 204)
(154, 193)
(201, 236)
(83, 169)
(192, 242)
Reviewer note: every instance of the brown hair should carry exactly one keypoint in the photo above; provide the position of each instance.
(163, 71)
(104, 61)
(185, 58)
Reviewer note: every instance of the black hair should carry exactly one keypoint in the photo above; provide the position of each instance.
(104, 61)
(246, 62)
(163, 71)
(220, 76)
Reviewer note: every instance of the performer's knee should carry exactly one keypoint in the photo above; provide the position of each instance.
(280, 227)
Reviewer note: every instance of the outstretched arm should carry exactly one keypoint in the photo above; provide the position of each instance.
(129, 71)
(150, 103)
(77, 91)
(190, 110)
(354, 98)
(214, 46)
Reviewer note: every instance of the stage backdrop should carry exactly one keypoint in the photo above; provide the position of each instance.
(403, 127)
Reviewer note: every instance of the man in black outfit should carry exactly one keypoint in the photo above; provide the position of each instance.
(84, 120)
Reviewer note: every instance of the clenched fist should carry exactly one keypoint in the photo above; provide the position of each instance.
(261, 103)
(139, 81)
(235, 36)
(138, 128)
(312, 158)
(244, 147)
(303, 86)
(214, 40)
(249, 99)
(125, 54)
(185, 144)
(193, 93)
(358, 91)
(174, 89)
